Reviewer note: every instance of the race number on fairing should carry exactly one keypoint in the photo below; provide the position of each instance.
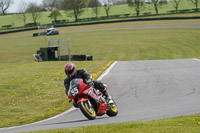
(74, 91)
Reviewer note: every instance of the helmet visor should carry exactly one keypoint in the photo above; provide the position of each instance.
(70, 71)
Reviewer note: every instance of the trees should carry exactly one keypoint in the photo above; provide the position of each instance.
(34, 10)
(136, 4)
(158, 3)
(51, 3)
(22, 11)
(54, 14)
(4, 5)
(195, 2)
(107, 6)
(95, 4)
(76, 6)
(176, 4)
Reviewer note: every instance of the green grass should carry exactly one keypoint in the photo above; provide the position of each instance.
(186, 124)
(115, 10)
(137, 44)
(141, 44)
(31, 91)
(131, 44)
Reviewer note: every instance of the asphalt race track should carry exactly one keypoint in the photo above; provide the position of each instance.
(143, 90)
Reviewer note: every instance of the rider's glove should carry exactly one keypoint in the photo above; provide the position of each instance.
(70, 100)
(90, 83)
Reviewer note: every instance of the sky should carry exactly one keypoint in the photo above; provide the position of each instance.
(15, 6)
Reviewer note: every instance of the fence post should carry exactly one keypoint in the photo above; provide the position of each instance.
(49, 42)
(59, 50)
(38, 30)
(69, 55)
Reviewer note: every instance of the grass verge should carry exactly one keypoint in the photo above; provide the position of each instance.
(182, 124)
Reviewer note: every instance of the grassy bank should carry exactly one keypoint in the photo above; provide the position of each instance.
(131, 44)
(183, 124)
(121, 41)
(26, 84)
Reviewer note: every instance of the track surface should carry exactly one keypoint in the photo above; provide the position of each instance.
(143, 90)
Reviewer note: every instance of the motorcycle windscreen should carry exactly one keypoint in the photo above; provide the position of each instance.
(74, 88)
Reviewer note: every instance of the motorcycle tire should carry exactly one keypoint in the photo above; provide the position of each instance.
(89, 112)
(75, 104)
(113, 111)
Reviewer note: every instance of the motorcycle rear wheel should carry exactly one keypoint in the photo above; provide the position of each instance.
(87, 109)
(113, 111)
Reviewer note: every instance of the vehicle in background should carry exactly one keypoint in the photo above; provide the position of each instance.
(52, 31)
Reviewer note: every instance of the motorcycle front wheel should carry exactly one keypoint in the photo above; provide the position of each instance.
(87, 109)
(113, 111)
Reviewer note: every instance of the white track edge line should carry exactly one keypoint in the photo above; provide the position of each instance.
(196, 59)
(68, 111)
(107, 71)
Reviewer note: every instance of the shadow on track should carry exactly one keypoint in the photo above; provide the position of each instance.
(76, 121)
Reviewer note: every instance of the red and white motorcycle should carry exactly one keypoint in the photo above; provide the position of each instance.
(90, 100)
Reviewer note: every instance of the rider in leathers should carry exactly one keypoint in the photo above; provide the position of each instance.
(72, 73)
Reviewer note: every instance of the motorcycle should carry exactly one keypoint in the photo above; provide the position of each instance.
(90, 101)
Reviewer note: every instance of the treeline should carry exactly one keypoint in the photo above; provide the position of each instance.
(76, 7)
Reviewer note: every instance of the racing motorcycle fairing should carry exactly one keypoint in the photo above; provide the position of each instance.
(100, 103)
(76, 88)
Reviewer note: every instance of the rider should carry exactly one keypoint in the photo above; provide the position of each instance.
(71, 72)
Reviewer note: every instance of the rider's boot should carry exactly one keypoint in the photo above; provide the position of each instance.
(107, 97)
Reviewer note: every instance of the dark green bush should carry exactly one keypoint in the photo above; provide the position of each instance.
(6, 26)
(32, 24)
